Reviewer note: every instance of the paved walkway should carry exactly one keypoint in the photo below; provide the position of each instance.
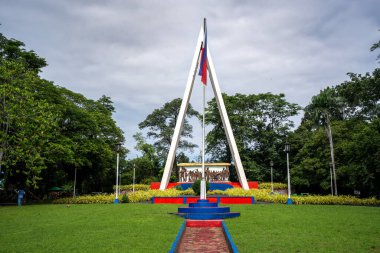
(203, 239)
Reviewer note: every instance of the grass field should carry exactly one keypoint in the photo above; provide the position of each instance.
(149, 228)
(306, 228)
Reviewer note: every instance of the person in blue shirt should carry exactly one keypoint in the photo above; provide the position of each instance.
(21, 194)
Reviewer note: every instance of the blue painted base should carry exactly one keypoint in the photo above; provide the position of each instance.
(208, 216)
(218, 209)
(116, 201)
(205, 210)
(203, 204)
(289, 201)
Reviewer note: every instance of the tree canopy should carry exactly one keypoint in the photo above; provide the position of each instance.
(259, 123)
(47, 131)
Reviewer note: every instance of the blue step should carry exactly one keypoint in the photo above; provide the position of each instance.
(205, 210)
(208, 216)
(223, 209)
(203, 204)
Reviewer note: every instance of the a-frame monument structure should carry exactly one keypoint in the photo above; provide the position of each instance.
(222, 110)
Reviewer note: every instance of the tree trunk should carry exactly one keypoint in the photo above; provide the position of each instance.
(1, 158)
(329, 135)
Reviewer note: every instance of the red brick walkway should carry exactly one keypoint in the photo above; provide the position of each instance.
(203, 239)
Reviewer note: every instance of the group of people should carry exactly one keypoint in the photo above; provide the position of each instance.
(191, 176)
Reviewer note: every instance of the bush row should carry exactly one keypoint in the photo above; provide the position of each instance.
(87, 199)
(129, 187)
(264, 195)
(276, 186)
(141, 196)
(132, 197)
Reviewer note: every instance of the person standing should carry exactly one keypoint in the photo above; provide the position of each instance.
(21, 194)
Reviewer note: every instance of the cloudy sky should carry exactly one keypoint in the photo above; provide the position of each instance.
(139, 52)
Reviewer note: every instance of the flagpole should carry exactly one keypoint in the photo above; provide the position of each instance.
(203, 181)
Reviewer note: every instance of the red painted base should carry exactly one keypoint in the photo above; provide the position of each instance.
(187, 200)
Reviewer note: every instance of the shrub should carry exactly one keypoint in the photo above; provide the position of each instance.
(216, 192)
(87, 199)
(276, 186)
(149, 180)
(124, 198)
(197, 187)
(129, 187)
(188, 191)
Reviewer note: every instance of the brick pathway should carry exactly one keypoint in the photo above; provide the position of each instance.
(203, 239)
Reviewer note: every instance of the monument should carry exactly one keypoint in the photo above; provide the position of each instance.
(202, 58)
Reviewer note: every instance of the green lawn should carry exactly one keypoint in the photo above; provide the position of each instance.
(149, 228)
(306, 228)
(88, 228)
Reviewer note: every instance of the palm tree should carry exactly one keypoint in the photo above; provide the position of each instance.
(324, 108)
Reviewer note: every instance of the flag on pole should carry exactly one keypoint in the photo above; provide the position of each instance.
(203, 64)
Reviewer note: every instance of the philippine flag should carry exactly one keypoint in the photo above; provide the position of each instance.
(203, 64)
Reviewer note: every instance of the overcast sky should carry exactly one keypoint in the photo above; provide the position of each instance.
(139, 52)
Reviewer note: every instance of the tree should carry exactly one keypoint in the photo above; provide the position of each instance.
(26, 125)
(87, 134)
(161, 123)
(361, 95)
(147, 166)
(47, 131)
(13, 50)
(374, 47)
(259, 123)
(357, 149)
(324, 108)
(350, 112)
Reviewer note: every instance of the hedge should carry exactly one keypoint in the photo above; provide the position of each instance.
(260, 195)
(129, 187)
(265, 196)
(131, 197)
(276, 186)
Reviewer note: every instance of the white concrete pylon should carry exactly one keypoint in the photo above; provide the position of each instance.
(223, 114)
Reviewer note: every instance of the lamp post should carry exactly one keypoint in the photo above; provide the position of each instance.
(271, 176)
(118, 147)
(134, 174)
(120, 181)
(287, 150)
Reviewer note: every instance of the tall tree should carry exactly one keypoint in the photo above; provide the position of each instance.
(357, 149)
(147, 166)
(26, 125)
(161, 123)
(259, 123)
(47, 131)
(361, 95)
(324, 108)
